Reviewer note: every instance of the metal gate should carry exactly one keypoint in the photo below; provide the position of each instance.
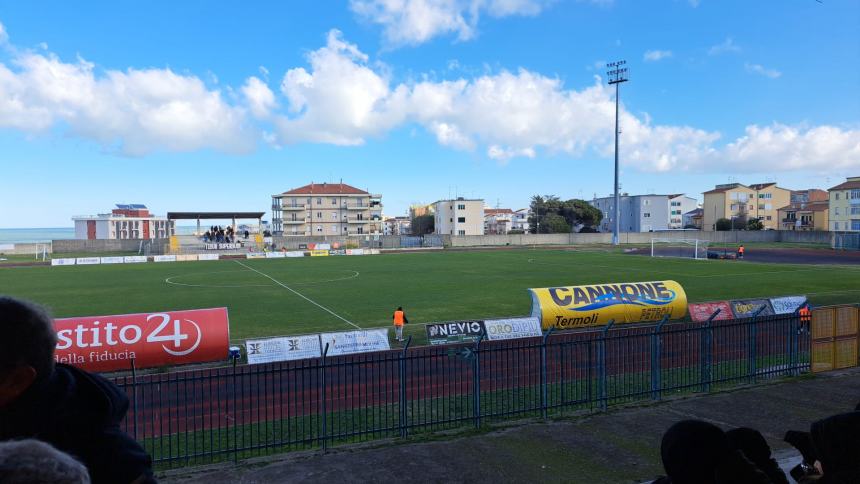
(846, 241)
(834, 337)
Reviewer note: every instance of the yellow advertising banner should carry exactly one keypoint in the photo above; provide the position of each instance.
(596, 305)
(319, 253)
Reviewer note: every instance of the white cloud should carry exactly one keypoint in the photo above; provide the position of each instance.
(724, 47)
(412, 22)
(762, 71)
(133, 112)
(4, 37)
(261, 99)
(694, 3)
(656, 55)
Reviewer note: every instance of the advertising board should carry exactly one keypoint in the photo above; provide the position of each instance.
(85, 261)
(255, 255)
(275, 255)
(109, 343)
(350, 342)
(208, 256)
(596, 305)
(746, 308)
(512, 328)
(286, 348)
(295, 253)
(319, 253)
(454, 332)
(134, 259)
(787, 304)
(63, 262)
(186, 257)
(112, 260)
(702, 311)
(164, 258)
(337, 252)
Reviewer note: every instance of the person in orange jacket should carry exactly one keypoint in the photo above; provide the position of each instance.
(741, 251)
(399, 321)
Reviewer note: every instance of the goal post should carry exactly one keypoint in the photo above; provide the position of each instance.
(684, 248)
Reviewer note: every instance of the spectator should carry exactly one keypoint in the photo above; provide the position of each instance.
(34, 462)
(696, 452)
(836, 441)
(75, 411)
(755, 448)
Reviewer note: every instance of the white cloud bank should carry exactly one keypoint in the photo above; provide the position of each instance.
(342, 98)
(411, 22)
(656, 55)
(762, 71)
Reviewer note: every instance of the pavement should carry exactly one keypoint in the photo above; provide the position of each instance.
(621, 445)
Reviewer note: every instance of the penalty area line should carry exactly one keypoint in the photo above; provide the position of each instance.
(297, 293)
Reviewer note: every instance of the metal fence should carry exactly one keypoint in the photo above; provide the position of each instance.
(209, 415)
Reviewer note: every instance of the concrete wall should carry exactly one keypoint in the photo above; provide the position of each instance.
(158, 246)
(641, 238)
(24, 249)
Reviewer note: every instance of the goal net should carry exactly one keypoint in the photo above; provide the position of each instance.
(686, 248)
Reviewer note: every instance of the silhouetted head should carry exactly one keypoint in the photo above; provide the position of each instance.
(28, 352)
(692, 450)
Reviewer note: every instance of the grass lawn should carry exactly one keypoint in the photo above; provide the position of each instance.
(434, 286)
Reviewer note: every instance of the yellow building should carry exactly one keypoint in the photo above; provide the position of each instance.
(804, 216)
(845, 206)
(735, 201)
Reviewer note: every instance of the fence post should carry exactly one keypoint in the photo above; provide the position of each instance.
(134, 397)
(751, 339)
(476, 385)
(403, 423)
(707, 343)
(656, 366)
(601, 371)
(543, 376)
(236, 417)
(324, 395)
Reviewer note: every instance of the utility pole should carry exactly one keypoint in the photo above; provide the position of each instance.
(617, 74)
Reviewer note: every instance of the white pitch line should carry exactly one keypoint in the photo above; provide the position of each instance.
(297, 293)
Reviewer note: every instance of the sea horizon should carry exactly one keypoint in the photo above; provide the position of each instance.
(40, 235)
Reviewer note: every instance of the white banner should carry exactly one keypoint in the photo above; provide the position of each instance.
(354, 251)
(275, 255)
(372, 252)
(186, 257)
(7, 246)
(134, 259)
(512, 328)
(207, 256)
(164, 258)
(113, 260)
(350, 342)
(63, 262)
(787, 304)
(283, 349)
(85, 261)
(255, 255)
(295, 253)
(323, 247)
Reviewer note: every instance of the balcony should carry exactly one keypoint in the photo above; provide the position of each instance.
(298, 206)
(356, 221)
(356, 206)
(294, 222)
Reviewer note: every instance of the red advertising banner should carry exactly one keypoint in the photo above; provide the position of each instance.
(108, 343)
(702, 311)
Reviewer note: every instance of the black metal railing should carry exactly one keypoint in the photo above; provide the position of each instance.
(239, 411)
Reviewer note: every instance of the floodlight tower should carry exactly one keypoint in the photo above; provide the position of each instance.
(617, 74)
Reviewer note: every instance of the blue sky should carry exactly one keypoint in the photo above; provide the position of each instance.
(215, 106)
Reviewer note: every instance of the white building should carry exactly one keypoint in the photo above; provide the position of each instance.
(520, 220)
(397, 226)
(124, 222)
(459, 217)
(645, 213)
(498, 221)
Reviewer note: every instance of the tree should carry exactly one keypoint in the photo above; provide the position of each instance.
(423, 224)
(724, 224)
(755, 224)
(579, 212)
(540, 207)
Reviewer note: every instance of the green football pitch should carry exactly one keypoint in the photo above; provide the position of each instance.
(268, 297)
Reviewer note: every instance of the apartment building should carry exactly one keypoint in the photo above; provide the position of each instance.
(645, 213)
(498, 220)
(459, 217)
(326, 209)
(126, 221)
(520, 220)
(804, 216)
(693, 218)
(844, 215)
(397, 226)
(737, 201)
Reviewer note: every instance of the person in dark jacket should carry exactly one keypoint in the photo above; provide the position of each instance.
(31, 461)
(697, 452)
(836, 441)
(77, 412)
(752, 443)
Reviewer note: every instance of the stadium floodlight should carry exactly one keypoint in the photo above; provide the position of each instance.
(617, 75)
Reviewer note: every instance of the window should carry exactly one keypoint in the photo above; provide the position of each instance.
(319, 215)
(767, 217)
(647, 202)
(768, 206)
(766, 196)
(461, 207)
(461, 220)
(837, 195)
(334, 229)
(360, 230)
(319, 228)
(461, 232)
(855, 194)
(761, 206)
(359, 217)
(334, 201)
(646, 215)
(319, 201)
(293, 216)
(855, 210)
(334, 215)
(451, 220)
(855, 224)
(835, 225)
(835, 210)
